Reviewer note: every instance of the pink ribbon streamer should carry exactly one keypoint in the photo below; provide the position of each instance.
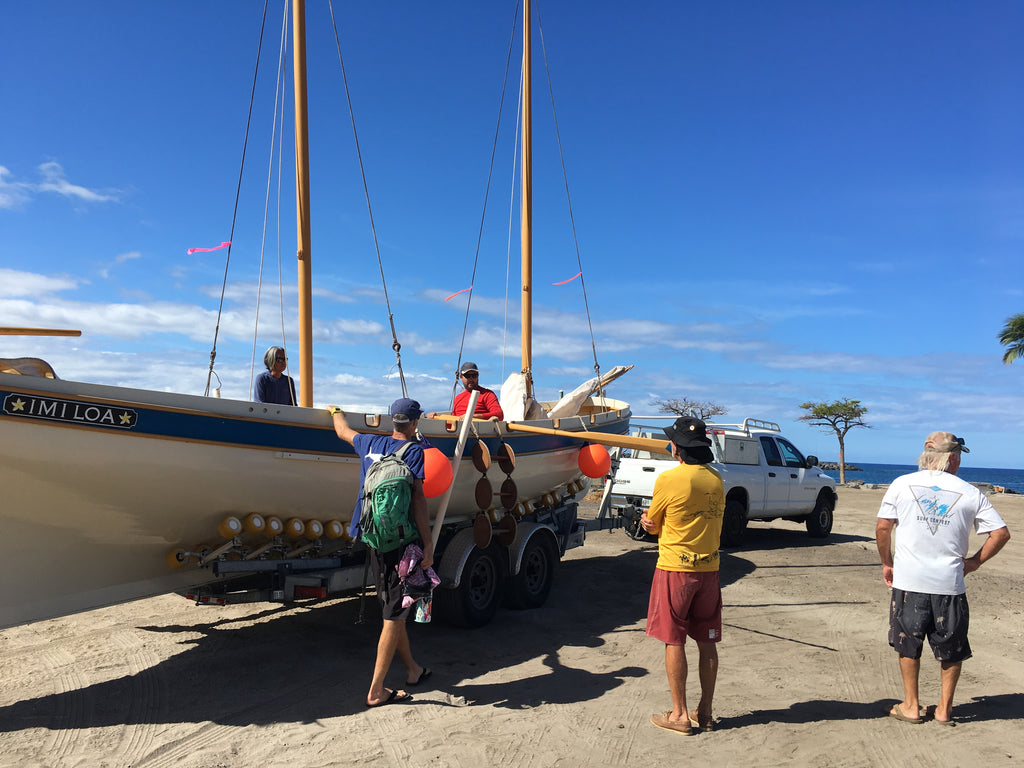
(569, 280)
(215, 248)
(458, 292)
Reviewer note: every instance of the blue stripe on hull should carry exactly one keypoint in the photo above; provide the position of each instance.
(249, 432)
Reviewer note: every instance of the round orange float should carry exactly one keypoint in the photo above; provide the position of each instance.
(437, 472)
(594, 460)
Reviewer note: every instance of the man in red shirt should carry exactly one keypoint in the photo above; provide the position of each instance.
(487, 405)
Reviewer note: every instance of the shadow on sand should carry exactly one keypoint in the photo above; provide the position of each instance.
(303, 663)
(300, 664)
(1007, 706)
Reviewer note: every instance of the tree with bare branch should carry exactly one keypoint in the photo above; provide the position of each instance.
(840, 416)
(684, 406)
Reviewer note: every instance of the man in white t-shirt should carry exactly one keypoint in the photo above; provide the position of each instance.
(935, 513)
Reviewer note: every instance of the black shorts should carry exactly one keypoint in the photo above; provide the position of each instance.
(943, 619)
(389, 587)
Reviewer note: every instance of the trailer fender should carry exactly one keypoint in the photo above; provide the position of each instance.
(454, 557)
(456, 552)
(525, 532)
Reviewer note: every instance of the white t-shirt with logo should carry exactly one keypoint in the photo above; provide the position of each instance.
(936, 512)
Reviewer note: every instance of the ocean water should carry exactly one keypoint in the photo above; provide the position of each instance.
(886, 473)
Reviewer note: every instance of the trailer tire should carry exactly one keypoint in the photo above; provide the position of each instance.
(734, 523)
(474, 602)
(531, 586)
(819, 522)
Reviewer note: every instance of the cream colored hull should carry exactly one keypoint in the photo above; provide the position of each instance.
(91, 510)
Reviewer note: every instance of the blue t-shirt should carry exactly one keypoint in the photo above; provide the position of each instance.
(372, 448)
(267, 389)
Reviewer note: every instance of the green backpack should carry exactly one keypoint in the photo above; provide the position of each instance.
(387, 497)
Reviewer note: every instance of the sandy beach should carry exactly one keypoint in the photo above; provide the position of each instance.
(806, 674)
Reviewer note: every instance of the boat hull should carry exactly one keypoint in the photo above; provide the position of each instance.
(101, 483)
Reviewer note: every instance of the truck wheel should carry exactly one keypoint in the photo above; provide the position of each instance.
(530, 587)
(474, 601)
(819, 522)
(734, 523)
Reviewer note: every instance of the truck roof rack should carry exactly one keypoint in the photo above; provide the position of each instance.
(747, 425)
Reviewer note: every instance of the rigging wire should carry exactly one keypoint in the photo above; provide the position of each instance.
(280, 165)
(508, 232)
(395, 345)
(276, 141)
(483, 212)
(238, 192)
(568, 199)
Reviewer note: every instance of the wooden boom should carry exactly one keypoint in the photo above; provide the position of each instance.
(8, 331)
(617, 441)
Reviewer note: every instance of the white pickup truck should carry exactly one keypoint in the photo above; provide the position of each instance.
(765, 478)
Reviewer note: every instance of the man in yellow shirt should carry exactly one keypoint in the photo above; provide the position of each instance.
(686, 597)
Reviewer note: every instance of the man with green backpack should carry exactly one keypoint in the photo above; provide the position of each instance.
(391, 512)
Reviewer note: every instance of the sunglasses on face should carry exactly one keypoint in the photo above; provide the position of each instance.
(471, 375)
(281, 359)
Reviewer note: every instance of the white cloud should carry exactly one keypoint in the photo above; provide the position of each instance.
(54, 181)
(12, 193)
(119, 259)
(347, 331)
(324, 293)
(15, 283)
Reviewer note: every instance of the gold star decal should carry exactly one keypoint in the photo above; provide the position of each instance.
(126, 418)
(18, 405)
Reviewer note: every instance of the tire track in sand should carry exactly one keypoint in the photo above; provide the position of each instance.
(68, 716)
(857, 630)
(146, 704)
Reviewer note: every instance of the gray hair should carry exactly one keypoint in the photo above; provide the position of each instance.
(271, 356)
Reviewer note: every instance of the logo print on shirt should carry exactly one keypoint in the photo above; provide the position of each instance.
(936, 504)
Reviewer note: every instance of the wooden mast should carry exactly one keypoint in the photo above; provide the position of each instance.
(526, 206)
(302, 205)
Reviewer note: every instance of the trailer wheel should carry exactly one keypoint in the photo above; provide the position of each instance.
(531, 586)
(474, 602)
(734, 523)
(819, 522)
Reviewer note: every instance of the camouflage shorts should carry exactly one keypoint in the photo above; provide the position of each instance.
(943, 619)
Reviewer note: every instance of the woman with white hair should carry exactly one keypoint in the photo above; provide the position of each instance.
(273, 386)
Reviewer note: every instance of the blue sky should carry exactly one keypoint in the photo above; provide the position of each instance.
(774, 202)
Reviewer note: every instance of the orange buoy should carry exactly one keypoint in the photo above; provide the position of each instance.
(437, 472)
(594, 460)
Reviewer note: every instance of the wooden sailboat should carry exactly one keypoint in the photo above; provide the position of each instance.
(105, 486)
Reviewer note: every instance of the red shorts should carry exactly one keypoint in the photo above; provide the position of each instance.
(685, 603)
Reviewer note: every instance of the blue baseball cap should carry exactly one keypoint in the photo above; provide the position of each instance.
(404, 410)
